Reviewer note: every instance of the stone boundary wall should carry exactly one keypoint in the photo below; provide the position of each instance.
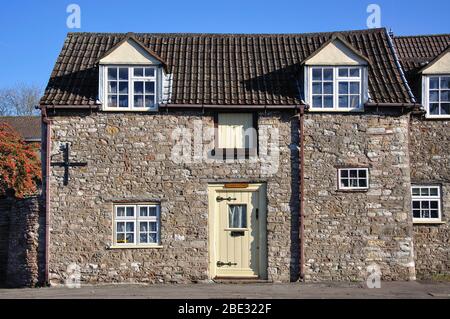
(430, 164)
(22, 242)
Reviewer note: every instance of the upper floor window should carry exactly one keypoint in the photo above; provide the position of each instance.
(438, 96)
(336, 88)
(353, 178)
(131, 88)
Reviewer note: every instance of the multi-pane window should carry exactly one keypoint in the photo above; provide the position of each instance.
(353, 178)
(439, 95)
(338, 88)
(131, 87)
(426, 203)
(136, 224)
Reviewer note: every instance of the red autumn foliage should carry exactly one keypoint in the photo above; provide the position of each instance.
(20, 166)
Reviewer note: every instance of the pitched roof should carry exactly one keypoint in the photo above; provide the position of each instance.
(415, 52)
(29, 127)
(224, 69)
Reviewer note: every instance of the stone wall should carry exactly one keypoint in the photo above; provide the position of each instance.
(5, 207)
(129, 159)
(345, 232)
(430, 164)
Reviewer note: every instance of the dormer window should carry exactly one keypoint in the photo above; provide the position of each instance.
(336, 77)
(437, 96)
(131, 87)
(336, 88)
(132, 77)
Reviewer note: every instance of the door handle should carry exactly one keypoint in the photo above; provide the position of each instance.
(221, 264)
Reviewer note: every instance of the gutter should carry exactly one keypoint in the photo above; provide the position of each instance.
(47, 123)
(302, 192)
(230, 106)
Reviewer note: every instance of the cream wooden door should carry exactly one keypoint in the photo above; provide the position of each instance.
(238, 233)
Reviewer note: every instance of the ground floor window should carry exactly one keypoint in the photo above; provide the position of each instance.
(426, 203)
(353, 178)
(136, 225)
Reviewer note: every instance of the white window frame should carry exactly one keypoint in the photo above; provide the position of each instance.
(339, 179)
(424, 198)
(131, 79)
(362, 79)
(136, 219)
(426, 95)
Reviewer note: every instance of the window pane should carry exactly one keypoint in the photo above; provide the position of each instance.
(112, 74)
(143, 238)
(434, 83)
(138, 101)
(328, 88)
(120, 211)
(123, 87)
(130, 238)
(317, 88)
(363, 183)
(434, 204)
(149, 101)
(343, 87)
(317, 101)
(434, 96)
(445, 96)
(354, 101)
(152, 227)
(344, 173)
(434, 108)
(317, 74)
(152, 238)
(416, 191)
(120, 238)
(328, 101)
(344, 182)
(353, 173)
(343, 101)
(130, 227)
(445, 109)
(416, 204)
(121, 227)
(424, 191)
(130, 211)
(123, 73)
(354, 72)
(416, 213)
(328, 74)
(445, 82)
(138, 87)
(143, 211)
(138, 72)
(433, 191)
(112, 87)
(143, 227)
(425, 205)
(152, 211)
(343, 72)
(123, 101)
(434, 213)
(237, 216)
(150, 87)
(354, 87)
(112, 101)
(362, 173)
(149, 72)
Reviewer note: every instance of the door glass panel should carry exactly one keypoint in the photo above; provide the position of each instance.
(237, 216)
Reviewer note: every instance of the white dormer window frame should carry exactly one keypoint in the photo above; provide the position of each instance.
(338, 86)
(139, 90)
(436, 95)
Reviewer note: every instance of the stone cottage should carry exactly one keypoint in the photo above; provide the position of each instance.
(194, 157)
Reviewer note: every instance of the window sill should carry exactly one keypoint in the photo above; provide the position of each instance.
(364, 190)
(234, 153)
(136, 247)
(428, 222)
(437, 117)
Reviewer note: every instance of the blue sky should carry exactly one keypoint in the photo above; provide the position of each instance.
(32, 32)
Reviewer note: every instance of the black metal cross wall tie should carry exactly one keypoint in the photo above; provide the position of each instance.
(67, 164)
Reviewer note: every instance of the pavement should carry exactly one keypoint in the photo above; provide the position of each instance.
(388, 290)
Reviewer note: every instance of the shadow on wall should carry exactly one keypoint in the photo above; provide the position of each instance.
(22, 241)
